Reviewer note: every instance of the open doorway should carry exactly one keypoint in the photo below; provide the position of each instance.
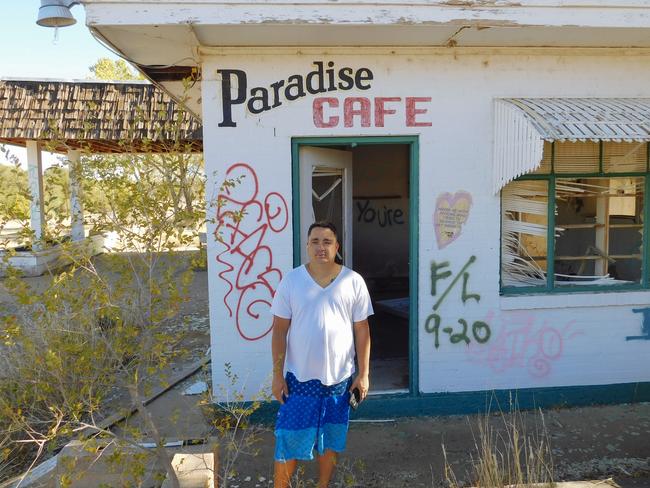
(365, 189)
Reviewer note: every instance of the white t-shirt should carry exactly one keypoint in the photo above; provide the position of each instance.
(320, 342)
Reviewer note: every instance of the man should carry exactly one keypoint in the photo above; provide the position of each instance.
(320, 314)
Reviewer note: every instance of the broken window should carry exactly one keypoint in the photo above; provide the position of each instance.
(597, 196)
(327, 199)
(598, 230)
(524, 227)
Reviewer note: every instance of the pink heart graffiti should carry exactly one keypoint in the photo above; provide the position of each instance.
(451, 213)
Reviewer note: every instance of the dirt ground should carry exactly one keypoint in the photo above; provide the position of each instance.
(598, 442)
(590, 443)
(593, 443)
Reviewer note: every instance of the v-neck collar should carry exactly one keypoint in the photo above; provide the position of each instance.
(311, 278)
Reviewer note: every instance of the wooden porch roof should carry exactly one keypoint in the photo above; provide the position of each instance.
(94, 115)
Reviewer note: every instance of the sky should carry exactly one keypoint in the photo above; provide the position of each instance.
(30, 51)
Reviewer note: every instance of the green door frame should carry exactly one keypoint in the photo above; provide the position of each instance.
(412, 142)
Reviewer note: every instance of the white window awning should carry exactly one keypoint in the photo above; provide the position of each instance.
(523, 124)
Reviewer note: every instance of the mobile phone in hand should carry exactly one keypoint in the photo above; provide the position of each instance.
(355, 398)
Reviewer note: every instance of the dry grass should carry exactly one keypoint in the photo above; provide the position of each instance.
(509, 451)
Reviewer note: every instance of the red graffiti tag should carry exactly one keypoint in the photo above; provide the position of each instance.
(520, 343)
(243, 219)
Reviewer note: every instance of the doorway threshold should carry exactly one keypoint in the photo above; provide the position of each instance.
(397, 391)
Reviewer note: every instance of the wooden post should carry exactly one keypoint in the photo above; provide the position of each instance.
(37, 210)
(602, 229)
(215, 464)
(76, 208)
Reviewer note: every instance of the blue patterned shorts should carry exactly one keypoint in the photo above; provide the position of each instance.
(313, 416)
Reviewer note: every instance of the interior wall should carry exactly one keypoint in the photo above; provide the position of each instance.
(381, 211)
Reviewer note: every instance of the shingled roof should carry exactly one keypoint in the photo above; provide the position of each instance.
(93, 114)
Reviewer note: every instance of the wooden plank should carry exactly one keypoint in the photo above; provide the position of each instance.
(625, 226)
(578, 226)
(576, 258)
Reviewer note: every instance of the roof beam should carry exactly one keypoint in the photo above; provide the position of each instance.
(593, 13)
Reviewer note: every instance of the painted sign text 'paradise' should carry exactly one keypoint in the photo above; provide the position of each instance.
(261, 99)
(328, 111)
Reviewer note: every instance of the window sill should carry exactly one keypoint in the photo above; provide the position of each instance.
(569, 300)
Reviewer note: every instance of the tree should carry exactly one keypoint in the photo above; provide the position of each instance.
(97, 327)
(15, 199)
(14, 193)
(108, 69)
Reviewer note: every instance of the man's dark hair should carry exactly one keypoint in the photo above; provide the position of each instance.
(325, 224)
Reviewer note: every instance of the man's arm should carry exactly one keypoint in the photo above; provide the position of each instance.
(362, 344)
(279, 350)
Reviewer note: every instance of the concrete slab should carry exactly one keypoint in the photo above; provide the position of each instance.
(196, 388)
(176, 416)
(193, 470)
(36, 262)
(586, 484)
(572, 484)
(84, 465)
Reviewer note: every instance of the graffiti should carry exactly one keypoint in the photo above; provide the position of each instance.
(645, 326)
(528, 346)
(451, 214)
(480, 330)
(244, 218)
(435, 277)
(519, 343)
(383, 216)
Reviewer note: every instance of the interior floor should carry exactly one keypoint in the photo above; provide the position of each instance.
(389, 357)
(389, 375)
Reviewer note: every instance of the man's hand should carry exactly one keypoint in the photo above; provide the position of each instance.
(279, 388)
(362, 345)
(363, 383)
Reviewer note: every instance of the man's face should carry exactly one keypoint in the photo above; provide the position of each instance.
(322, 245)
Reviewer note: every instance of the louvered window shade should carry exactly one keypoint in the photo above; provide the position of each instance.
(524, 208)
(622, 157)
(523, 126)
(576, 157)
(547, 157)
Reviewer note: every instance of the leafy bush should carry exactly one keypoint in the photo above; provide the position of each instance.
(96, 330)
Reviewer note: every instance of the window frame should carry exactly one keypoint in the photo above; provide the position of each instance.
(551, 178)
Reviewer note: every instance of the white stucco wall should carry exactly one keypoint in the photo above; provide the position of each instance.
(534, 341)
